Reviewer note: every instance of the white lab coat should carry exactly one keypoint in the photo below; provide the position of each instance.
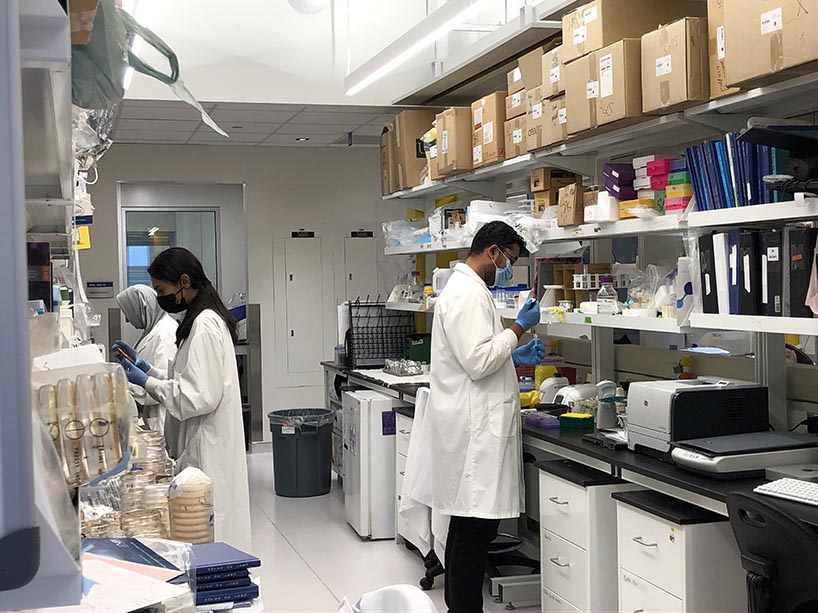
(157, 347)
(202, 392)
(476, 441)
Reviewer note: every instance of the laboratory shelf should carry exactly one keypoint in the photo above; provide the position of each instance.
(805, 208)
(61, 243)
(410, 307)
(435, 188)
(427, 248)
(750, 323)
(49, 216)
(620, 322)
(507, 169)
(665, 224)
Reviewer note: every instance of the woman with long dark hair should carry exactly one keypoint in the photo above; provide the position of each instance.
(201, 389)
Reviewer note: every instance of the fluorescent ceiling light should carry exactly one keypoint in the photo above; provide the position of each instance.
(445, 19)
(302, 139)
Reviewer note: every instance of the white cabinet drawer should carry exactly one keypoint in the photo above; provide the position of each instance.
(551, 603)
(652, 548)
(400, 467)
(564, 509)
(638, 596)
(565, 570)
(404, 427)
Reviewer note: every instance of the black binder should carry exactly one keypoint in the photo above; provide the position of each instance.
(772, 274)
(800, 254)
(750, 281)
(710, 300)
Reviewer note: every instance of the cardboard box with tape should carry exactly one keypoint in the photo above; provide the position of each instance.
(766, 40)
(571, 206)
(454, 141)
(514, 81)
(543, 179)
(410, 126)
(488, 135)
(535, 119)
(620, 81)
(582, 93)
(556, 130)
(515, 105)
(516, 137)
(717, 50)
(553, 68)
(531, 68)
(544, 200)
(675, 66)
(604, 22)
(389, 161)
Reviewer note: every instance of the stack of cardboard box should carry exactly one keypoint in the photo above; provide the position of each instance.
(546, 184)
(521, 123)
(488, 134)
(545, 104)
(454, 141)
(403, 153)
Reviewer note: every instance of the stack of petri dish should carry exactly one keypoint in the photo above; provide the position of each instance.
(191, 507)
(155, 498)
(132, 488)
(143, 524)
(151, 455)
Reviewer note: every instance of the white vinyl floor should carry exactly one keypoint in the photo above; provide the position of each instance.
(310, 556)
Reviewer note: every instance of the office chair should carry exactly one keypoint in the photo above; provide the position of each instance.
(779, 553)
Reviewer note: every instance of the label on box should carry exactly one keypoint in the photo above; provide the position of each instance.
(555, 75)
(580, 35)
(772, 21)
(517, 99)
(590, 15)
(562, 116)
(517, 74)
(477, 154)
(765, 297)
(664, 66)
(517, 136)
(707, 289)
(592, 90)
(606, 77)
(478, 117)
(772, 254)
(433, 151)
(536, 111)
(488, 132)
(720, 53)
(435, 224)
(444, 142)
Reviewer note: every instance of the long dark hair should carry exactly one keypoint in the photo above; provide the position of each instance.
(169, 266)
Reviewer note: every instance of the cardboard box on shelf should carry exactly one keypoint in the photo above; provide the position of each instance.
(557, 126)
(389, 165)
(535, 119)
(410, 126)
(716, 50)
(553, 68)
(675, 66)
(488, 138)
(514, 80)
(543, 179)
(545, 199)
(454, 141)
(571, 209)
(582, 93)
(531, 67)
(516, 137)
(434, 163)
(765, 38)
(604, 22)
(620, 81)
(515, 105)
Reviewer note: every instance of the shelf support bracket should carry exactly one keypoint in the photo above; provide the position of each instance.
(581, 164)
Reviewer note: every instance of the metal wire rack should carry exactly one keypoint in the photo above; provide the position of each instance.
(376, 334)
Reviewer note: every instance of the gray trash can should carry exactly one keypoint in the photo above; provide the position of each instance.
(302, 451)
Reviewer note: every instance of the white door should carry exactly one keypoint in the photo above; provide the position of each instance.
(361, 268)
(305, 310)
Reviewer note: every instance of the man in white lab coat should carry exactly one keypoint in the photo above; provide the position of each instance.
(474, 407)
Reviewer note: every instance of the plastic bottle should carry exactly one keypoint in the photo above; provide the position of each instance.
(607, 301)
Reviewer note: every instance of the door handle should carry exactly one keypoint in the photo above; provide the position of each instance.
(350, 276)
(556, 562)
(639, 611)
(402, 474)
(405, 432)
(640, 541)
(556, 500)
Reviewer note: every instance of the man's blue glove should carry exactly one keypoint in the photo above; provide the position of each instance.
(530, 354)
(135, 375)
(133, 356)
(529, 315)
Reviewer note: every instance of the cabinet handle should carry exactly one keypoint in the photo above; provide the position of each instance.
(640, 541)
(402, 474)
(556, 561)
(639, 611)
(405, 432)
(556, 500)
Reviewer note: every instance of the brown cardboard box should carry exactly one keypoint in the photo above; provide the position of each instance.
(604, 22)
(582, 93)
(590, 198)
(515, 81)
(535, 119)
(766, 37)
(454, 138)
(620, 81)
(571, 211)
(675, 66)
(488, 137)
(82, 14)
(515, 105)
(516, 137)
(531, 66)
(434, 164)
(545, 199)
(543, 179)
(410, 126)
(557, 126)
(552, 73)
(716, 50)
(389, 166)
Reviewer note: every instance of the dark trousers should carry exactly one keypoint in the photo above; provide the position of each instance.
(467, 550)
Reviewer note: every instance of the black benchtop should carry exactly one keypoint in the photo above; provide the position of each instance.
(406, 411)
(405, 389)
(673, 510)
(577, 473)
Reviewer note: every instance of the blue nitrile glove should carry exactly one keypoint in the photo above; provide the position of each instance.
(133, 356)
(135, 375)
(530, 354)
(529, 315)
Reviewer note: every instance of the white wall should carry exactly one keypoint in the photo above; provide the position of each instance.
(285, 189)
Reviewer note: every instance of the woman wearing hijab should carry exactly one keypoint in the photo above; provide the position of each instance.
(156, 344)
(201, 388)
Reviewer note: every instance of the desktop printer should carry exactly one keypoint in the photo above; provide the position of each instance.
(662, 412)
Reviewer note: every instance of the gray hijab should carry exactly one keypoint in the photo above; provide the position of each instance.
(140, 307)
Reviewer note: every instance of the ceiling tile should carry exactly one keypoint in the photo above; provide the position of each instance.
(356, 119)
(157, 125)
(369, 130)
(238, 116)
(329, 108)
(382, 120)
(309, 129)
(184, 113)
(204, 136)
(124, 136)
(249, 106)
(250, 127)
(286, 140)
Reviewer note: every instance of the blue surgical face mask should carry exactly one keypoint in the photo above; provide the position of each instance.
(503, 275)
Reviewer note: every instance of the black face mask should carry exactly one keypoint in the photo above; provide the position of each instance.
(169, 305)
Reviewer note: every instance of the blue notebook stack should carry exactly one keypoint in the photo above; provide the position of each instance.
(223, 575)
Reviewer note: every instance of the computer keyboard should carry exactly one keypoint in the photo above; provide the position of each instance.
(791, 489)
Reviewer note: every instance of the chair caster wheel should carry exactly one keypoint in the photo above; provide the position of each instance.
(427, 584)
